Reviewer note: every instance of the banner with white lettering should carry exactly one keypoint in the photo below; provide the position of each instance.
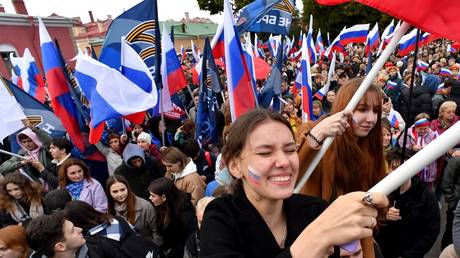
(276, 21)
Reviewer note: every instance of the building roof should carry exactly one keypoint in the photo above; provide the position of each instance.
(24, 20)
(190, 30)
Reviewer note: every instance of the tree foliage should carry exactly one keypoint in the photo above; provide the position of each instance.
(332, 19)
(217, 6)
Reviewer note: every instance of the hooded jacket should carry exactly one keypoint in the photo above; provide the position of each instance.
(139, 178)
(43, 141)
(189, 181)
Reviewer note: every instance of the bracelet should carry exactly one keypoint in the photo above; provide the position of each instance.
(315, 139)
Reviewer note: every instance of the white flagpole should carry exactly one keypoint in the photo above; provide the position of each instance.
(13, 154)
(355, 100)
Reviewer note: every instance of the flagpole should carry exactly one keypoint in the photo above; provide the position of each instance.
(13, 154)
(355, 100)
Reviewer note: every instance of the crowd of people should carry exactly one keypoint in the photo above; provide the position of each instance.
(169, 195)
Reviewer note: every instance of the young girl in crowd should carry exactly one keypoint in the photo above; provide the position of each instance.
(263, 218)
(317, 110)
(138, 212)
(13, 242)
(75, 176)
(175, 216)
(20, 200)
(360, 146)
(418, 136)
(182, 170)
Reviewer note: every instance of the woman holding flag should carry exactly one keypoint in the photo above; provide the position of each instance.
(355, 161)
(263, 218)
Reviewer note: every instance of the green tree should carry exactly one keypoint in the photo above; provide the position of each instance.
(217, 6)
(332, 19)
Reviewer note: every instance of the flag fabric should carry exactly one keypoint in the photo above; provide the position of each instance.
(11, 113)
(451, 49)
(391, 116)
(445, 72)
(195, 54)
(217, 43)
(241, 94)
(310, 43)
(335, 46)
(369, 63)
(249, 58)
(328, 39)
(183, 53)
(373, 39)
(439, 17)
(139, 25)
(319, 46)
(111, 94)
(175, 78)
(389, 30)
(32, 79)
(58, 86)
(440, 88)
(272, 88)
(307, 102)
(206, 120)
(252, 12)
(38, 113)
(422, 66)
(354, 34)
(14, 77)
(17, 63)
(322, 92)
(407, 43)
(272, 44)
(390, 85)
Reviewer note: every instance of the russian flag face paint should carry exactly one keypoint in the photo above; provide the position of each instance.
(253, 175)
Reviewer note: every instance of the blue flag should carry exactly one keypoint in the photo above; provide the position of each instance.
(140, 27)
(271, 16)
(251, 13)
(206, 122)
(272, 87)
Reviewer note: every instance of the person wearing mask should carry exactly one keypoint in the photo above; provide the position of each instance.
(138, 212)
(20, 200)
(139, 170)
(75, 177)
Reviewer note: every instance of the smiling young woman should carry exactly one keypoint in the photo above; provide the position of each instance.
(263, 218)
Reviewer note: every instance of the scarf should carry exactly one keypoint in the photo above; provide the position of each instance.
(121, 210)
(20, 215)
(75, 189)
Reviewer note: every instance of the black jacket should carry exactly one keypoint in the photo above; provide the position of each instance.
(232, 227)
(413, 235)
(203, 167)
(421, 103)
(451, 183)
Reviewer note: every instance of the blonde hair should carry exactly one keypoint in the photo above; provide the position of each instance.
(446, 105)
(203, 202)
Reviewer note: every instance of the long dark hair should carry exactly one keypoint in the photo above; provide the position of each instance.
(83, 215)
(175, 200)
(130, 199)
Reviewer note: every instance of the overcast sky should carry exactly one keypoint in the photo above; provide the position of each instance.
(167, 9)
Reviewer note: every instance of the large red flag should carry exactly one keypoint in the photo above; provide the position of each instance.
(439, 17)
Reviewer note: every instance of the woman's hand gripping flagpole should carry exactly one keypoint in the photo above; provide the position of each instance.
(355, 100)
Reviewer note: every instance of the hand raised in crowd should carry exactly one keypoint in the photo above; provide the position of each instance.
(331, 126)
(38, 165)
(393, 214)
(347, 219)
(27, 161)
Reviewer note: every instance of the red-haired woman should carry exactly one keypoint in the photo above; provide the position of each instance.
(124, 203)
(13, 242)
(355, 161)
(75, 176)
(20, 200)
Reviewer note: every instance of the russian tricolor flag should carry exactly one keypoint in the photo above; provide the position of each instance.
(310, 44)
(373, 39)
(249, 57)
(451, 49)
(319, 44)
(354, 34)
(17, 63)
(407, 43)
(307, 102)
(195, 53)
(422, 66)
(175, 79)
(440, 88)
(61, 99)
(445, 72)
(217, 42)
(322, 92)
(391, 85)
(32, 79)
(183, 53)
(241, 94)
(393, 119)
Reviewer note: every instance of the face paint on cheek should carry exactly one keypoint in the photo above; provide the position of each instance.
(253, 175)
